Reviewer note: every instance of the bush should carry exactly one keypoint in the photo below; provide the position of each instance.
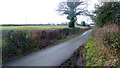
(16, 43)
(111, 40)
(110, 36)
(107, 41)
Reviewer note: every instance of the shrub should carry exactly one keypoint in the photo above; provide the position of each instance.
(16, 43)
(110, 36)
(107, 44)
(111, 40)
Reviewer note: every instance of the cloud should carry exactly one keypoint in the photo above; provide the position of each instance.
(36, 11)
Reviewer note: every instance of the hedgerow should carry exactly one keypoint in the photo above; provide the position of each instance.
(16, 43)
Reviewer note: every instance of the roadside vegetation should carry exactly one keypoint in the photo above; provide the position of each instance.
(90, 53)
(17, 43)
(103, 46)
(102, 49)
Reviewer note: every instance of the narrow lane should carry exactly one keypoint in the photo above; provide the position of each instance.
(52, 56)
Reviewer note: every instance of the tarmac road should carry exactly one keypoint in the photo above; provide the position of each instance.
(51, 56)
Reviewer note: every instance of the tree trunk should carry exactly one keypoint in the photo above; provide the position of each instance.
(71, 24)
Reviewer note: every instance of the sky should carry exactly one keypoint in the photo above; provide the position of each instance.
(34, 12)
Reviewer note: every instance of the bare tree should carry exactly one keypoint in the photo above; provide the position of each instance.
(72, 8)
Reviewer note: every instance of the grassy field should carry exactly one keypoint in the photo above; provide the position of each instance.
(37, 27)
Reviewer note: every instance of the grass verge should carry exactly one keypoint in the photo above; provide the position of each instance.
(97, 55)
(90, 53)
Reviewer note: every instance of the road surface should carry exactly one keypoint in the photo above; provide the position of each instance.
(52, 56)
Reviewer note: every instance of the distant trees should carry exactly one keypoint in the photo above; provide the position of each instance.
(71, 9)
(108, 12)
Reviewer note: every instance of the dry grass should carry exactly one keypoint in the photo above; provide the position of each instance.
(109, 57)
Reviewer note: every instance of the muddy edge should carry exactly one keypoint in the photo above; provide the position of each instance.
(76, 59)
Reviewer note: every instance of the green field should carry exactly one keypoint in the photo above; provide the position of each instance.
(37, 27)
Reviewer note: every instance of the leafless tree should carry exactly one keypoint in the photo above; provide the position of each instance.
(72, 8)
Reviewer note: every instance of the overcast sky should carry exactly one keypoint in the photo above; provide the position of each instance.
(33, 11)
